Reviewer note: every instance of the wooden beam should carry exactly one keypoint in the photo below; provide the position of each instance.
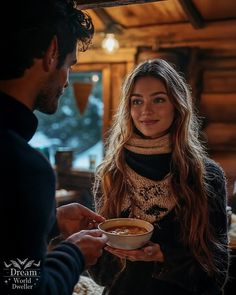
(111, 25)
(90, 4)
(214, 35)
(104, 16)
(99, 56)
(192, 13)
(183, 31)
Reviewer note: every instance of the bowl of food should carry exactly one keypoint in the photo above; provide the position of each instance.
(126, 233)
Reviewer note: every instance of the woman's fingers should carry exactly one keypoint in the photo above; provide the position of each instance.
(152, 252)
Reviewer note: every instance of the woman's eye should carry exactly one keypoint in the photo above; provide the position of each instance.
(136, 101)
(159, 100)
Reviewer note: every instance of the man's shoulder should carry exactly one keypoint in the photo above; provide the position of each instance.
(10, 140)
(14, 150)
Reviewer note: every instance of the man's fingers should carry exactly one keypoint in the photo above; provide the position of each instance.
(98, 234)
(93, 232)
(91, 215)
(103, 238)
(77, 211)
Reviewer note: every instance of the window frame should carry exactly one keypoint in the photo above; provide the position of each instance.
(106, 92)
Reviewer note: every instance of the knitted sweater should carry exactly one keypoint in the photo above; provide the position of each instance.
(27, 190)
(180, 273)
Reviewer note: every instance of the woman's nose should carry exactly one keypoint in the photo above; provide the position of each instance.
(147, 108)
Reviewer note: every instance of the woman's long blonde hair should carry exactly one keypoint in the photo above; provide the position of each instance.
(187, 165)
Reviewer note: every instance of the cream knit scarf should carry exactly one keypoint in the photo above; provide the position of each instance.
(148, 199)
(151, 146)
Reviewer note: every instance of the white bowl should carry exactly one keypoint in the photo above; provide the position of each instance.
(126, 241)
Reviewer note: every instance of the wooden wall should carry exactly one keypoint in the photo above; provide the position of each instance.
(218, 106)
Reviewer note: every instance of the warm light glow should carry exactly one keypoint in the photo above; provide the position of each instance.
(95, 78)
(110, 43)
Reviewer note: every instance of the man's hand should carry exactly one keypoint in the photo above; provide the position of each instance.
(91, 244)
(74, 217)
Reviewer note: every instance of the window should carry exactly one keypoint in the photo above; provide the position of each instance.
(69, 128)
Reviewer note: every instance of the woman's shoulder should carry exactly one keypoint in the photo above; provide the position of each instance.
(213, 168)
(215, 175)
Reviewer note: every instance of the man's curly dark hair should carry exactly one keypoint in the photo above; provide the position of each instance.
(29, 27)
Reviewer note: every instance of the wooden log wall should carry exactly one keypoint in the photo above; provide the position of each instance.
(218, 106)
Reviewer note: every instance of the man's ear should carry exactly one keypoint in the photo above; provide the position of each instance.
(51, 54)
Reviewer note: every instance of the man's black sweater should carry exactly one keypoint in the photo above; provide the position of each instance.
(27, 189)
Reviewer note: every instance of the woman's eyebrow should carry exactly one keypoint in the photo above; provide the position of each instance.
(135, 94)
(152, 94)
(158, 92)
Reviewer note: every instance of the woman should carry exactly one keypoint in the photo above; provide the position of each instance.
(156, 169)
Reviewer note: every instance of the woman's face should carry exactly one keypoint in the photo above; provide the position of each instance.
(151, 109)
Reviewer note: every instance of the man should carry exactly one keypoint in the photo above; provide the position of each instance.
(38, 46)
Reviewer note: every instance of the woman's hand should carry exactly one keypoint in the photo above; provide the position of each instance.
(150, 252)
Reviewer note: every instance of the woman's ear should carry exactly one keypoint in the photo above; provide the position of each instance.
(51, 55)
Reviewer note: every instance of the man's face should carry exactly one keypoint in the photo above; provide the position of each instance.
(53, 88)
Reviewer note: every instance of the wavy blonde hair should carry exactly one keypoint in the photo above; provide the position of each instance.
(187, 165)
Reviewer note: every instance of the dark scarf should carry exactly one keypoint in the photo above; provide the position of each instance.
(150, 158)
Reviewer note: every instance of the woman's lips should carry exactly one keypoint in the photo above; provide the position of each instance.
(149, 122)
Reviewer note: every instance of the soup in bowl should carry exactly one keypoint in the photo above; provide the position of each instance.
(126, 233)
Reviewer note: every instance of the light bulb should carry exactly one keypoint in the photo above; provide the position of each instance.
(110, 43)
(95, 78)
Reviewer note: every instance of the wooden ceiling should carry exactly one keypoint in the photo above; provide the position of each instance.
(165, 24)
